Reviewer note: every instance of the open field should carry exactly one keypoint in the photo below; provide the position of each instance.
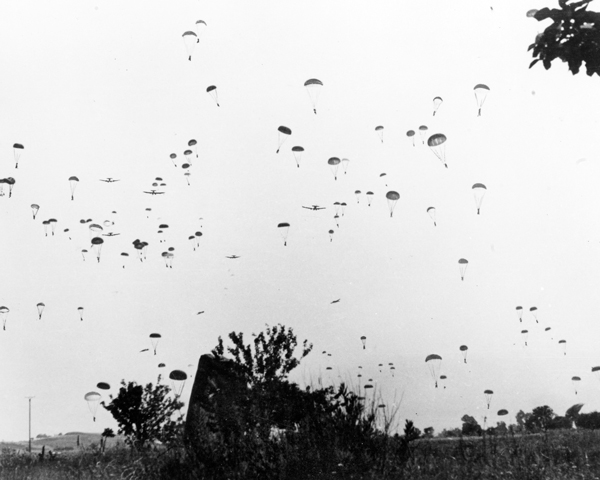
(557, 455)
(61, 443)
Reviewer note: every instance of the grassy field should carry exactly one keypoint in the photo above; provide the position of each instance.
(60, 443)
(556, 455)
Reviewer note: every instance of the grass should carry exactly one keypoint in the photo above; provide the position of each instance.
(557, 455)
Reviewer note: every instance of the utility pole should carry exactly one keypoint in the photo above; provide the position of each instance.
(29, 398)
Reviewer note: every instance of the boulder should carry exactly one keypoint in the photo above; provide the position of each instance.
(215, 405)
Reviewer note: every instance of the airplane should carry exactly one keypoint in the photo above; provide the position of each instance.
(110, 234)
(109, 180)
(314, 207)
(233, 256)
(154, 192)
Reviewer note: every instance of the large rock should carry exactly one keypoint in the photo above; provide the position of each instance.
(218, 394)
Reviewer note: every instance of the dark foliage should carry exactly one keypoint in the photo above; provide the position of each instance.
(275, 429)
(144, 414)
(470, 427)
(540, 419)
(590, 421)
(573, 37)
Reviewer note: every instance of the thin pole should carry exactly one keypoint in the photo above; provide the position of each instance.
(29, 398)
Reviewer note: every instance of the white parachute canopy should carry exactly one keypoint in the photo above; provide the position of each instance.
(313, 87)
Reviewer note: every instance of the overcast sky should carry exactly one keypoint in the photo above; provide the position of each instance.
(105, 89)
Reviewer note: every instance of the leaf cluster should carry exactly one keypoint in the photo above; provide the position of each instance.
(573, 37)
(270, 357)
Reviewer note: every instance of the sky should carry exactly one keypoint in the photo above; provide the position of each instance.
(105, 89)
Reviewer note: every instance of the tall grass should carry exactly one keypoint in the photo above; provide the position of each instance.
(557, 455)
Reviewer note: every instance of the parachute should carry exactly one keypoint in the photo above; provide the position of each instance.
(345, 162)
(297, 151)
(173, 156)
(479, 190)
(379, 130)
(411, 134)
(284, 133)
(124, 254)
(17, 151)
(423, 132)
(313, 87)
(200, 27)
(188, 156)
(392, 198)
(97, 246)
(73, 181)
(334, 163)
(502, 412)
(481, 92)
(178, 378)
(357, 193)
(369, 198)
(34, 209)
(464, 349)
(193, 143)
(190, 39)
(284, 229)
(168, 259)
(40, 308)
(520, 313)
(533, 311)
(10, 181)
(93, 399)
(363, 339)
(212, 91)
(154, 339)
(564, 345)
(431, 212)
(434, 361)
(575, 380)
(525, 334)
(437, 143)
(80, 310)
(437, 101)
(531, 13)
(331, 232)
(103, 386)
(161, 365)
(462, 265)
(4, 316)
(488, 397)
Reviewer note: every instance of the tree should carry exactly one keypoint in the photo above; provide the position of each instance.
(589, 421)
(106, 434)
(573, 37)
(455, 432)
(144, 414)
(501, 428)
(428, 432)
(470, 427)
(540, 419)
(522, 418)
(272, 357)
